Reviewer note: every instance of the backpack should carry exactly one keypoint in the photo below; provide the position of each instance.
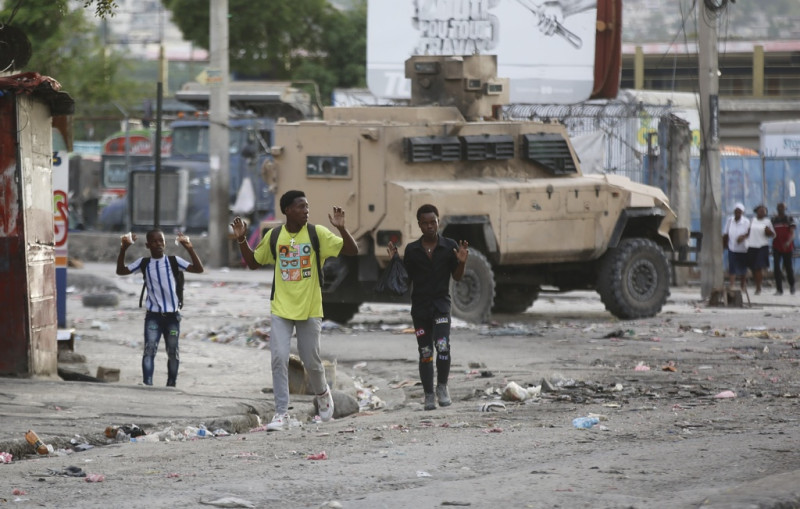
(273, 243)
(177, 273)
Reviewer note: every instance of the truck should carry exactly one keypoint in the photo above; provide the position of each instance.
(255, 107)
(780, 138)
(512, 189)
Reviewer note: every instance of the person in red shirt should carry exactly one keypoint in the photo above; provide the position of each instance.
(783, 248)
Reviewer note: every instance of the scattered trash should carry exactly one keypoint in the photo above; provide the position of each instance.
(547, 386)
(493, 406)
(367, 400)
(80, 444)
(17, 491)
(511, 330)
(124, 432)
(642, 367)
(331, 504)
(670, 366)
(328, 325)
(70, 471)
(319, 456)
(514, 392)
(725, 394)
(97, 324)
(37, 444)
(5, 457)
(145, 438)
(229, 502)
(95, 478)
(422, 473)
(584, 422)
(201, 432)
(493, 430)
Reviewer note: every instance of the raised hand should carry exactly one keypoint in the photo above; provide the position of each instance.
(462, 252)
(337, 219)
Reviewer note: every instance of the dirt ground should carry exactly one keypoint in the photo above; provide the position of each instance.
(713, 422)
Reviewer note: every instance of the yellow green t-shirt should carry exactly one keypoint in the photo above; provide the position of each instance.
(298, 295)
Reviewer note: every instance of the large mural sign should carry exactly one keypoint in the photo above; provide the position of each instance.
(545, 47)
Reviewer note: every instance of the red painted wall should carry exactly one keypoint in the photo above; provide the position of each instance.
(14, 355)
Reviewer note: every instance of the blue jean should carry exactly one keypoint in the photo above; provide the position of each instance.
(156, 325)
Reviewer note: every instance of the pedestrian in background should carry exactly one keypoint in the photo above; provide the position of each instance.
(430, 262)
(296, 302)
(783, 248)
(734, 237)
(758, 241)
(163, 317)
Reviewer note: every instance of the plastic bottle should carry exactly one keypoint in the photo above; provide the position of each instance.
(200, 432)
(584, 422)
(37, 444)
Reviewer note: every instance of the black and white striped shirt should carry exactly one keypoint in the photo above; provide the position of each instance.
(160, 283)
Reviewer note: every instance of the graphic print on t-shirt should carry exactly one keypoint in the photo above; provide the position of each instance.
(295, 261)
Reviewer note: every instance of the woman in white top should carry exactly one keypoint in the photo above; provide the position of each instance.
(734, 237)
(761, 231)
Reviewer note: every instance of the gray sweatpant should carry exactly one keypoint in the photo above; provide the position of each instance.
(280, 341)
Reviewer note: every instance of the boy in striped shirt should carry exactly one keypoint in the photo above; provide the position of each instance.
(163, 317)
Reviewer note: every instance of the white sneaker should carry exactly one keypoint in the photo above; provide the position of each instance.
(325, 404)
(279, 422)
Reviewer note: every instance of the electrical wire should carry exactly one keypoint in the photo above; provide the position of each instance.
(13, 13)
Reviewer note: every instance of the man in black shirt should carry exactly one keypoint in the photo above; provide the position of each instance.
(430, 262)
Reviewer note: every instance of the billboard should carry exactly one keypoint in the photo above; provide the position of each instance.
(545, 47)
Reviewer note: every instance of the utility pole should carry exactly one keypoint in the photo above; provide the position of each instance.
(711, 252)
(219, 199)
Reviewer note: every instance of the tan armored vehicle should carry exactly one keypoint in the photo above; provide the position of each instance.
(513, 189)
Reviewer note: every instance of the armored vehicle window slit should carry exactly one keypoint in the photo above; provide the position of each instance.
(423, 149)
(486, 146)
(550, 151)
(328, 166)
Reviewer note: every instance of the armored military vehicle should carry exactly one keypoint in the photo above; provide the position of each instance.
(512, 189)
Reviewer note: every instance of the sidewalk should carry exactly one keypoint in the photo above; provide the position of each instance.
(58, 410)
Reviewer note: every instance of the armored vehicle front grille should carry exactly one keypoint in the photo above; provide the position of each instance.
(486, 146)
(549, 150)
(423, 149)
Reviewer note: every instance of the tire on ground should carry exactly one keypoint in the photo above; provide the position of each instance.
(339, 312)
(99, 300)
(514, 298)
(634, 279)
(472, 298)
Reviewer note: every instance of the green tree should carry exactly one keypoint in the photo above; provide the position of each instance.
(286, 39)
(341, 61)
(66, 47)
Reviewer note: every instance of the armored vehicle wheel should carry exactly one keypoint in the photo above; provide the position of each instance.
(339, 312)
(514, 298)
(473, 296)
(634, 279)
